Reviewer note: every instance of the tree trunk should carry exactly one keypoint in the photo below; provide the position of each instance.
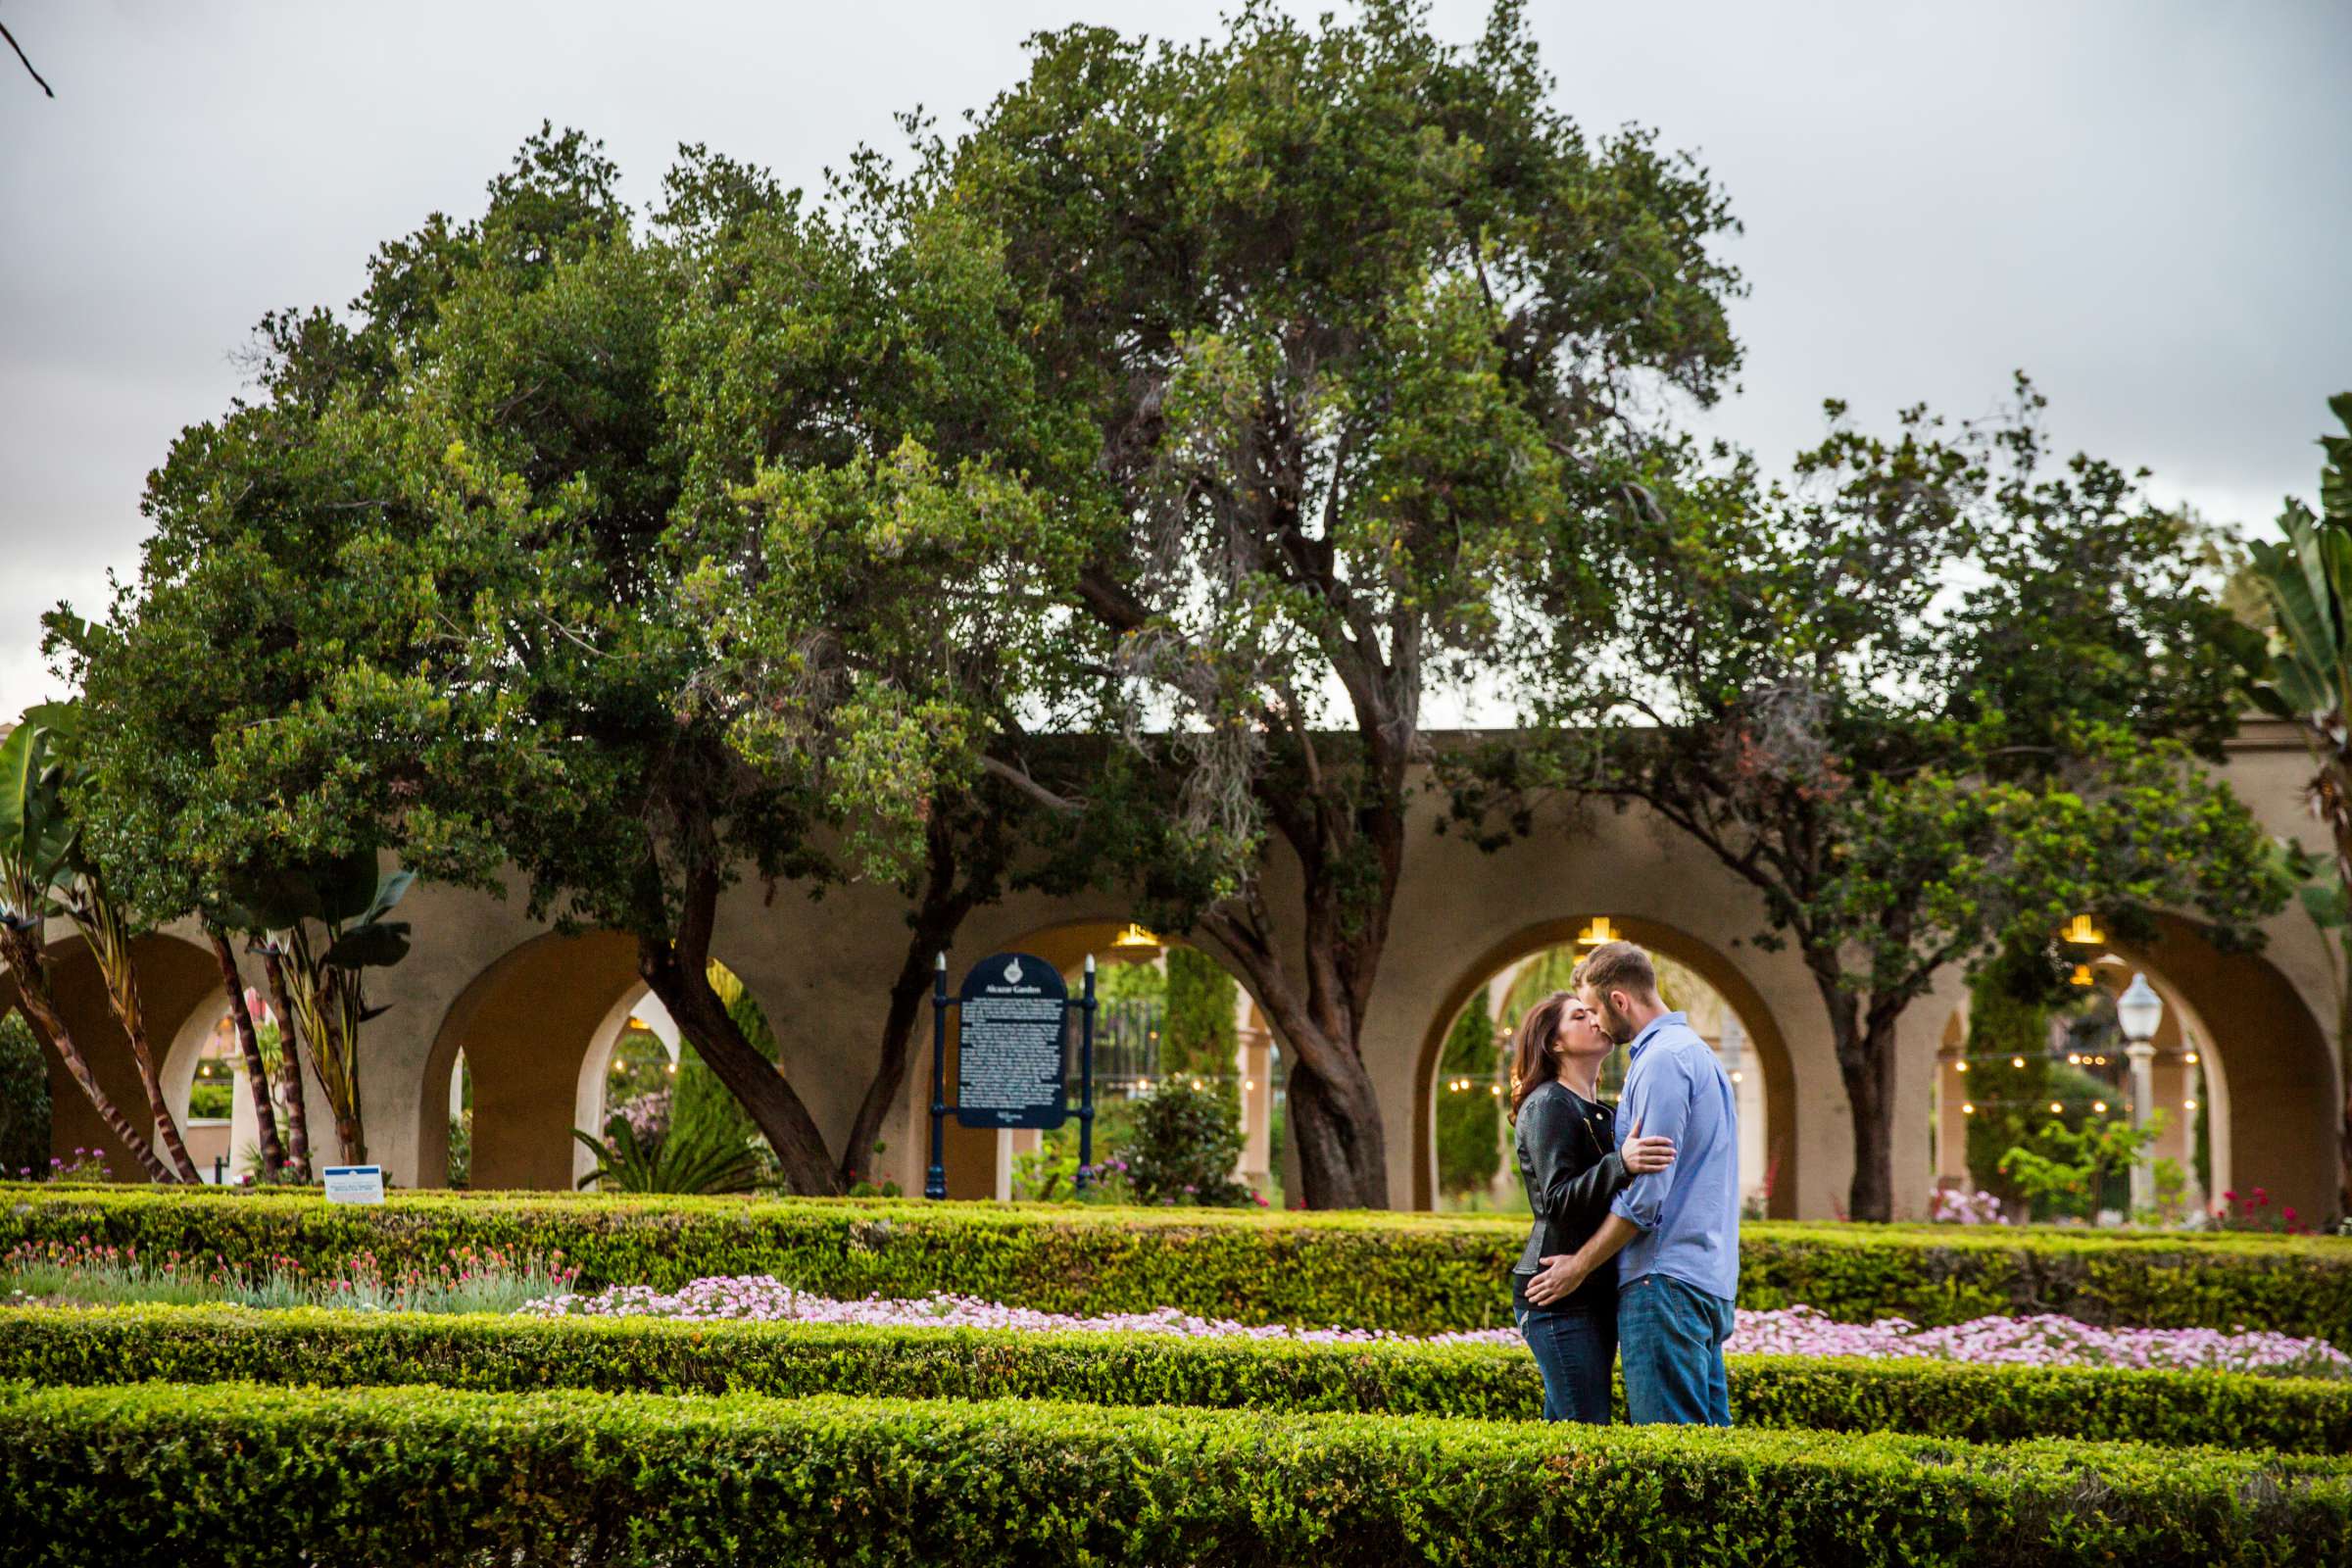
(678, 971)
(32, 989)
(1865, 1044)
(1342, 1148)
(936, 919)
(108, 938)
(1341, 1145)
(289, 1065)
(249, 1047)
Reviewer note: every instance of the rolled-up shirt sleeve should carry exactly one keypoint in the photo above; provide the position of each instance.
(1659, 1104)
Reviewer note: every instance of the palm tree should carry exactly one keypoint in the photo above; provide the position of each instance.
(2305, 677)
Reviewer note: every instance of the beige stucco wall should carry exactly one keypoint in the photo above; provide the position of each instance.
(526, 1006)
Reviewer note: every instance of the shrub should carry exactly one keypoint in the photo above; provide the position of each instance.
(240, 1474)
(1182, 1146)
(24, 1099)
(1411, 1273)
(1469, 1120)
(1196, 1036)
(522, 1354)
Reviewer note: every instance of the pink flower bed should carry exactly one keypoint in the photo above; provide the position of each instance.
(2046, 1341)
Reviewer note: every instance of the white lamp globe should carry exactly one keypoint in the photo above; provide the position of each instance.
(2140, 1009)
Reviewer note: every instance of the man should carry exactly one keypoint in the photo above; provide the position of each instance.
(1672, 1236)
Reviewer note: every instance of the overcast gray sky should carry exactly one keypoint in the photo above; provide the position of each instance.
(2146, 205)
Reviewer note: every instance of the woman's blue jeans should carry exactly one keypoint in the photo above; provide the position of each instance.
(1577, 1351)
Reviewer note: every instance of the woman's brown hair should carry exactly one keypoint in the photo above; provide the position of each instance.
(1532, 1061)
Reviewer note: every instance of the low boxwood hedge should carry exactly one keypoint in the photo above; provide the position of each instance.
(651, 1355)
(1411, 1273)
(244, 1474)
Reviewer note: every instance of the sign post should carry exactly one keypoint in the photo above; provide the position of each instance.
(1086, 1081)
(354, 1183)
(1012, 1055)
(1012, 1044)
(935, 1180)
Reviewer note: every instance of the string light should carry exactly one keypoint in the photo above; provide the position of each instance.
(2017, 1061)
(1968, 1109)
(2099, 1105)
(1959, 1066)
(2188, 1104)
(2190, 1056)
(2056, 1108)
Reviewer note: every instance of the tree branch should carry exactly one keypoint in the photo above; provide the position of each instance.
(19, 49)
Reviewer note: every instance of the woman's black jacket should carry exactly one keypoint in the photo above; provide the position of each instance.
(1568, 1161)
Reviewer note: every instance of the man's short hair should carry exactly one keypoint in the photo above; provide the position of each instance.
(1618, 967)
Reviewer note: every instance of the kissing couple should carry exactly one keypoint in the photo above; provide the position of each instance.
(1634, 1249)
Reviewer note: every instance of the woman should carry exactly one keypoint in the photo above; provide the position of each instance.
(1571, 1166)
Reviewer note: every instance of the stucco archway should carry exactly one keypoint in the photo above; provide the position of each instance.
(1737, 991)
(524, 1024)
(175, 979)
(2278, 1102)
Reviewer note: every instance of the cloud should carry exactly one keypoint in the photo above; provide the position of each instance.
(2146, 205)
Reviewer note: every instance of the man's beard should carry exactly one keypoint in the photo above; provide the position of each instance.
(1613, 1023)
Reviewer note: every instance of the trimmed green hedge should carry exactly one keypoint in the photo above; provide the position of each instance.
(1411, 1273)
(240, 1474)
(651, 1355)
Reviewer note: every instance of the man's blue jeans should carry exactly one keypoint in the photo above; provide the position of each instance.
(1575, 1349)
(1672, 1338)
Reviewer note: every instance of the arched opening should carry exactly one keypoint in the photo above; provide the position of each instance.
(558, 1036)
(2241, 1070)
(1167, 1008)
(177, 981)
(207, 1085)
(522, 1026)
(1723, 1005)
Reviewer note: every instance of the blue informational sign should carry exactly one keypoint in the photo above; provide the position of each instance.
(1011, 1042)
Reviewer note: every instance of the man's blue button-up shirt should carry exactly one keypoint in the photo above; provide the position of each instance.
(1690, 1211)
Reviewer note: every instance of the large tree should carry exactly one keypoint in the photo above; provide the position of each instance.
(1367, 329)
(1928, 699)
(883, 512)
(619, 555)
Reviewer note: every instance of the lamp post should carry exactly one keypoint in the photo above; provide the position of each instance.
(2140, 1009)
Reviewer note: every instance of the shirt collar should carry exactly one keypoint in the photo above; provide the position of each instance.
(1650, 1028)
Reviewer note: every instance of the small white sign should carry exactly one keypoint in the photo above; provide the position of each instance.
(355, 1184)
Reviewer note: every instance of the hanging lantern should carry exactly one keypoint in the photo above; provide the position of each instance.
(1135, 939)
(2084, 933)
(1597, 933)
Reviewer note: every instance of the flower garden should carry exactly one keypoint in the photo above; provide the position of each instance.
(266, 1377)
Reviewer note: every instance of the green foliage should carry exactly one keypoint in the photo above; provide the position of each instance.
(212, 1100)
(1197, 1037)
(1414, 1274)
(1931, 697)
(2068, 1168)
(24, 1099)
(1182, 1145)
(1484, 1381)
(460, 1150)
(1469, 1121)
(1351, 428)
(2003, 1026)
(680, 1162)
(262, 1473)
